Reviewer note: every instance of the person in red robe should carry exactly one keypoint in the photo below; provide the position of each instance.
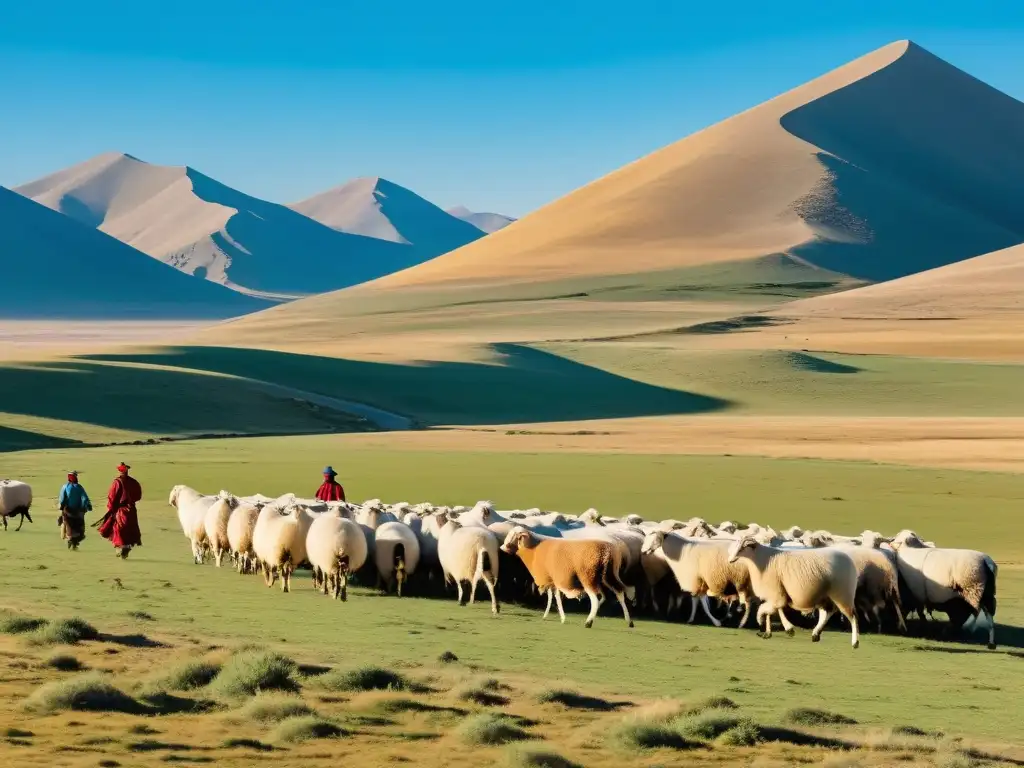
(331, 489)
(121, 523)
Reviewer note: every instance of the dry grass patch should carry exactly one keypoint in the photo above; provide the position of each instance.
(64, 632)
(483, 692)
(90, 693)
(534, 757)
(272, 708)
(366, 679)
(249, 672)
(20, 625)
(305, 728)
(189, 676)
(816, 718)
(488, 729)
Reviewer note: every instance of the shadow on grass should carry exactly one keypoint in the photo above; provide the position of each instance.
(130, 641)
(573, 700)
(526, 385)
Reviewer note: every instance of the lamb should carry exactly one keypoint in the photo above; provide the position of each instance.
(335, 547)
(571, 568)
(241, 524)
(215, 525)
(702, 568)
(192, 507)
(279, 541)
(15, 499)
(470, 554)
(822, 579)
(959, 582)
(396, 551)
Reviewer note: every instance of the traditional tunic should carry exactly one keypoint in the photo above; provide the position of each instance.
(74, 503)
(122, 524)
(331, 490)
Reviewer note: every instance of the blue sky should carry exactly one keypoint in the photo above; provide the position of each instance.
(500, 107)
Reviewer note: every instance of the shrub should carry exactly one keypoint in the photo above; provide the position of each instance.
(707, 727)
(714, 702)
(65, 632)
(746, 733)
(531, 757)
(89, 693)
(64, 663)
(249, 672)
(817, 717)
(447, 658)
(270, 708)
(17, 733)
(306, 727)
(20, 625)
(365, 679)
(641, 734)
(489, 729)
(188, 676)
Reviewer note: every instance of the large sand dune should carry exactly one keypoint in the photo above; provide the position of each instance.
(485, 222)
(892, 164)
(376, 207)
(54, 267)
(205, 228)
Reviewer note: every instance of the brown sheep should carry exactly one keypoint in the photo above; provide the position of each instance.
(571, 568)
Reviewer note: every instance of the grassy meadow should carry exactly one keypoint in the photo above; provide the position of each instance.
(162, 612)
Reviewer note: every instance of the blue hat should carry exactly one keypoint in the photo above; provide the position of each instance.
(330, 471)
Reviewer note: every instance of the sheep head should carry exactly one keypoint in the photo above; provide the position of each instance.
(653, 541)
(727, 526)
(906, 538)
(874, 540)
(633, 519)
(175, 492)
(486, 511)
(742, 547)
(518, 538)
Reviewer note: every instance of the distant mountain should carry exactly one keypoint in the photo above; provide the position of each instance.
(204, 228)
(376, 207)
(486, 222)
(54, 267)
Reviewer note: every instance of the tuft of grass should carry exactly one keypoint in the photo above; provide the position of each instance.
(305, 728)
(17, 733)
(637, 735)
(142, 730)
(448, 658)
(485, 693)
(259, 746)
(488, 729)
(746, 733)
(189, 676)
(532, 757)
(365, 679)
(808, 716)
(64, 663)
(708, 726)
(271, 708)
(140, 616)
(20, 625)
(89, 693)
(913, 730)
(712, 703)
(65, 632)
(956, 759)
(249, 672)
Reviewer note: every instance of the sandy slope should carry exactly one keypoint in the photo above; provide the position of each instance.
(894, 163)
(201, 226)
(376, 207)
(486, 222)
(55, 267)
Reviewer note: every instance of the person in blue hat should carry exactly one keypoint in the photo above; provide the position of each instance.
(331, 489)
(74, 503)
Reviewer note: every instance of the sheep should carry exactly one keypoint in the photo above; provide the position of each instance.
(702, 568)
(959, 582)
(396, 551)
(825, 579)
(15, 499)
(192, 507)
(279, 541)
(470, 554)
(571, 568)
(215, 525)
(240, 528)
(877, 582)
(335, 547)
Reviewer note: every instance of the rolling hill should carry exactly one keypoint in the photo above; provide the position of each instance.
(204, 228)
(375, 207)
(56, 268)
(486, 222)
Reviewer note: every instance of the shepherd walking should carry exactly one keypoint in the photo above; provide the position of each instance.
(74, 503)
(121, 523)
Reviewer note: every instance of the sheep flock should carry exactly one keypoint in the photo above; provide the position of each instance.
(529, 557)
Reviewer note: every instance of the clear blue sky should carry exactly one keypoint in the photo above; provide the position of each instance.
(499, 106)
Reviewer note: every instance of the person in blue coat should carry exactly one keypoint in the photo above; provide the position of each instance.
(74, 503)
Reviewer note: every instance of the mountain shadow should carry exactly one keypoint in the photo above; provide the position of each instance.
(525, 385)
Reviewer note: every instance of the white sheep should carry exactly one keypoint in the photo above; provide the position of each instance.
(877, 582)
(192, 506)
(215, 525)
(822, 579)
(469, 554)
(279, 541)
(396, 552)
(15, 499)
(241, 525)
(335, 547)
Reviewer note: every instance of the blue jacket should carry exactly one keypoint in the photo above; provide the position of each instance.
(73, 496)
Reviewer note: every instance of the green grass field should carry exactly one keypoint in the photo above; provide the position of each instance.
(955, 688)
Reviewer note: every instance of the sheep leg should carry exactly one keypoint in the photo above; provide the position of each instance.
(458, 586)
(823, 617)
(489, 581)
(851, 616)
(746, 612)
(707, 610)
(286, 577)
(878, 617)
(625, 611)
(767, 625)
(551, 595)
(594, 605)
(343, 580)
(472, 587)
(558, 602)
(693, 609)
(786, 624)
(899, 617)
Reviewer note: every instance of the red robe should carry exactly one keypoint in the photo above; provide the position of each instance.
(331, 490)
(122, 527)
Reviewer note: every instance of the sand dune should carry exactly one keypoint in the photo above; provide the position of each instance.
(376, 207)
(892, 164)
(205, 228)
(55, 267)
(485, 222)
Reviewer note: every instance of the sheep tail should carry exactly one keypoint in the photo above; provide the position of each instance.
(610, 566)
